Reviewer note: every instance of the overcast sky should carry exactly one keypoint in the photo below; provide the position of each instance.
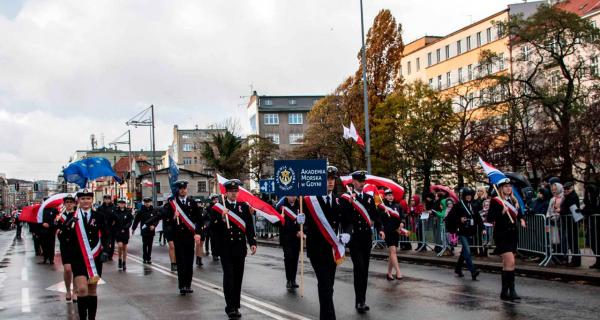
(71, 68)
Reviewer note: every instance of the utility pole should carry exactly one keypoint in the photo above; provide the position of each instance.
(365, 91)
(146, 119)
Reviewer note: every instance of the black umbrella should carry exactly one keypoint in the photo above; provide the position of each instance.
(518, 180)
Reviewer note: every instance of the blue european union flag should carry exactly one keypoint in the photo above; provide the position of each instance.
(79, 172)
(173, 175)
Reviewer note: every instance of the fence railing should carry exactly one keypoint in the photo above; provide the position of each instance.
(553, 239)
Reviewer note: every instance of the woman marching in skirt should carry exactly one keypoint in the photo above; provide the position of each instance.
(504, 213)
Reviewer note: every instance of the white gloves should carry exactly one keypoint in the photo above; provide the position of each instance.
(345, 238)
(301, 218)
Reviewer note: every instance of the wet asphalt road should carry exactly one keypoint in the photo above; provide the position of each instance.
(32, 291)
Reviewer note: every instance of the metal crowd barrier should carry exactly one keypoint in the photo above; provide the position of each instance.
(572, 236)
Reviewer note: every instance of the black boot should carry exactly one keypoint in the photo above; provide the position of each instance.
(288, 285)
(504, 293)
(82, 307)
(511, 288)
(458, 268)
(474, 274)
(124, 266)
(199, 261)
(120, 263)
(92, 302)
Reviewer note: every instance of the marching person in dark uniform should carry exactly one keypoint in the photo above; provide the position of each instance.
(289, 237)
(465, 220)
(183, 216)
(144, 214)
(65, 241)
(361, 207)
(35, 237)
(233, 227)
(208, 231)
(504, 213)
(106, 209)
(48, 234)
(199, 243)
(18, 225)
(321, 245)
(392, 218)
(123, 219)
(86, 227)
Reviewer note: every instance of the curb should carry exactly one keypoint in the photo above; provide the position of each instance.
(492, 267)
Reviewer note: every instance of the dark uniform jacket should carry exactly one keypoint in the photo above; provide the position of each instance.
(233, 239)
(362, 230)
(65, 236)
(316, 244)
(506, 235)
(289, 230)
(142, 217)
(170, 223)
(48, 216)
(122, 222)
(391, 224)
(107, 212)
(96, 230)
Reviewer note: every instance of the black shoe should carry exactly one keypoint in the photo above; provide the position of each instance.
(173, 267)
(215, 258)
(199, 261)
(360, 307)
(474, 275)
(189, 290)
(149, 262)
(459, 273)
(288, 285)
(120, 264)
(237, 313)
(145, 262)
(182, 291)
(295, 285)
(389, 278)
(124, 266)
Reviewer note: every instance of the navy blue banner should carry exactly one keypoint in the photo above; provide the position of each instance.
(301, 177)
(266, 185)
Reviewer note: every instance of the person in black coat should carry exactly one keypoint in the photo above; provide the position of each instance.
(465, 223)
(143, 215)
(361, 207)
(392, 218)
(208, 237)
(569, 236)
(233, 232)
(182, 216)
(65, 240)
(289, 237)
(591, 211)
(319, 249)
(106, 209)
(47, 232)
(93, 226)
(505, 214)
(123, 219)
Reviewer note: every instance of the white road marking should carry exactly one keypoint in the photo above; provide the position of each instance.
(24, 275)
(25, 306)
(246, 301)
(60, 287)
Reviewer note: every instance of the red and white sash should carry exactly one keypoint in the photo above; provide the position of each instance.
(316, 212)
(512, 210)
(359, 207)
(232, 216)
(390, 211)
(179, 212)
(87, 252)
(289, 212)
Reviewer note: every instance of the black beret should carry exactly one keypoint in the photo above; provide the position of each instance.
(553, 180)
(360, 175)
(569, 185)
(332, 172)
(84, 193)
(233, 184)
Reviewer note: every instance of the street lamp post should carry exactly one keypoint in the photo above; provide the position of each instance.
(146, 119)
(131, 187)
(365, 91)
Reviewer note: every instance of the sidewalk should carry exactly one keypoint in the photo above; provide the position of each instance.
(488, 264)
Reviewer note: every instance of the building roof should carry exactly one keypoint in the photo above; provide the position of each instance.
(166, 170)
(282, 103)
(121, 167)
(579, 7)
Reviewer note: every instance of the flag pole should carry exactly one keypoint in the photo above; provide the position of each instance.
(226, 210)
(502, 201)
(301, 252)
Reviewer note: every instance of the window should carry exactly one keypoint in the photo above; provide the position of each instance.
(187, 147)
(500, 31)
(594, 66)
(185, 136)
(460, 75)
(501, 61)
(525, 52)
(458, 47)
(478, 39)
(438, 55)
(448, 80)
(268, 102)
(292, 102)
(468, 43)
(489, 68)
(295, 118)
(408, 68)
(431, 83)
(202, 187)
(157, 186)
(296, 138)
(470, 72)
(274, 137)
(187, 160)
(447, 49)
(439, 82)
(488, 34)
(271, 118)
(470, 101)
(429, 59)
(401, 73)
(418, 64)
